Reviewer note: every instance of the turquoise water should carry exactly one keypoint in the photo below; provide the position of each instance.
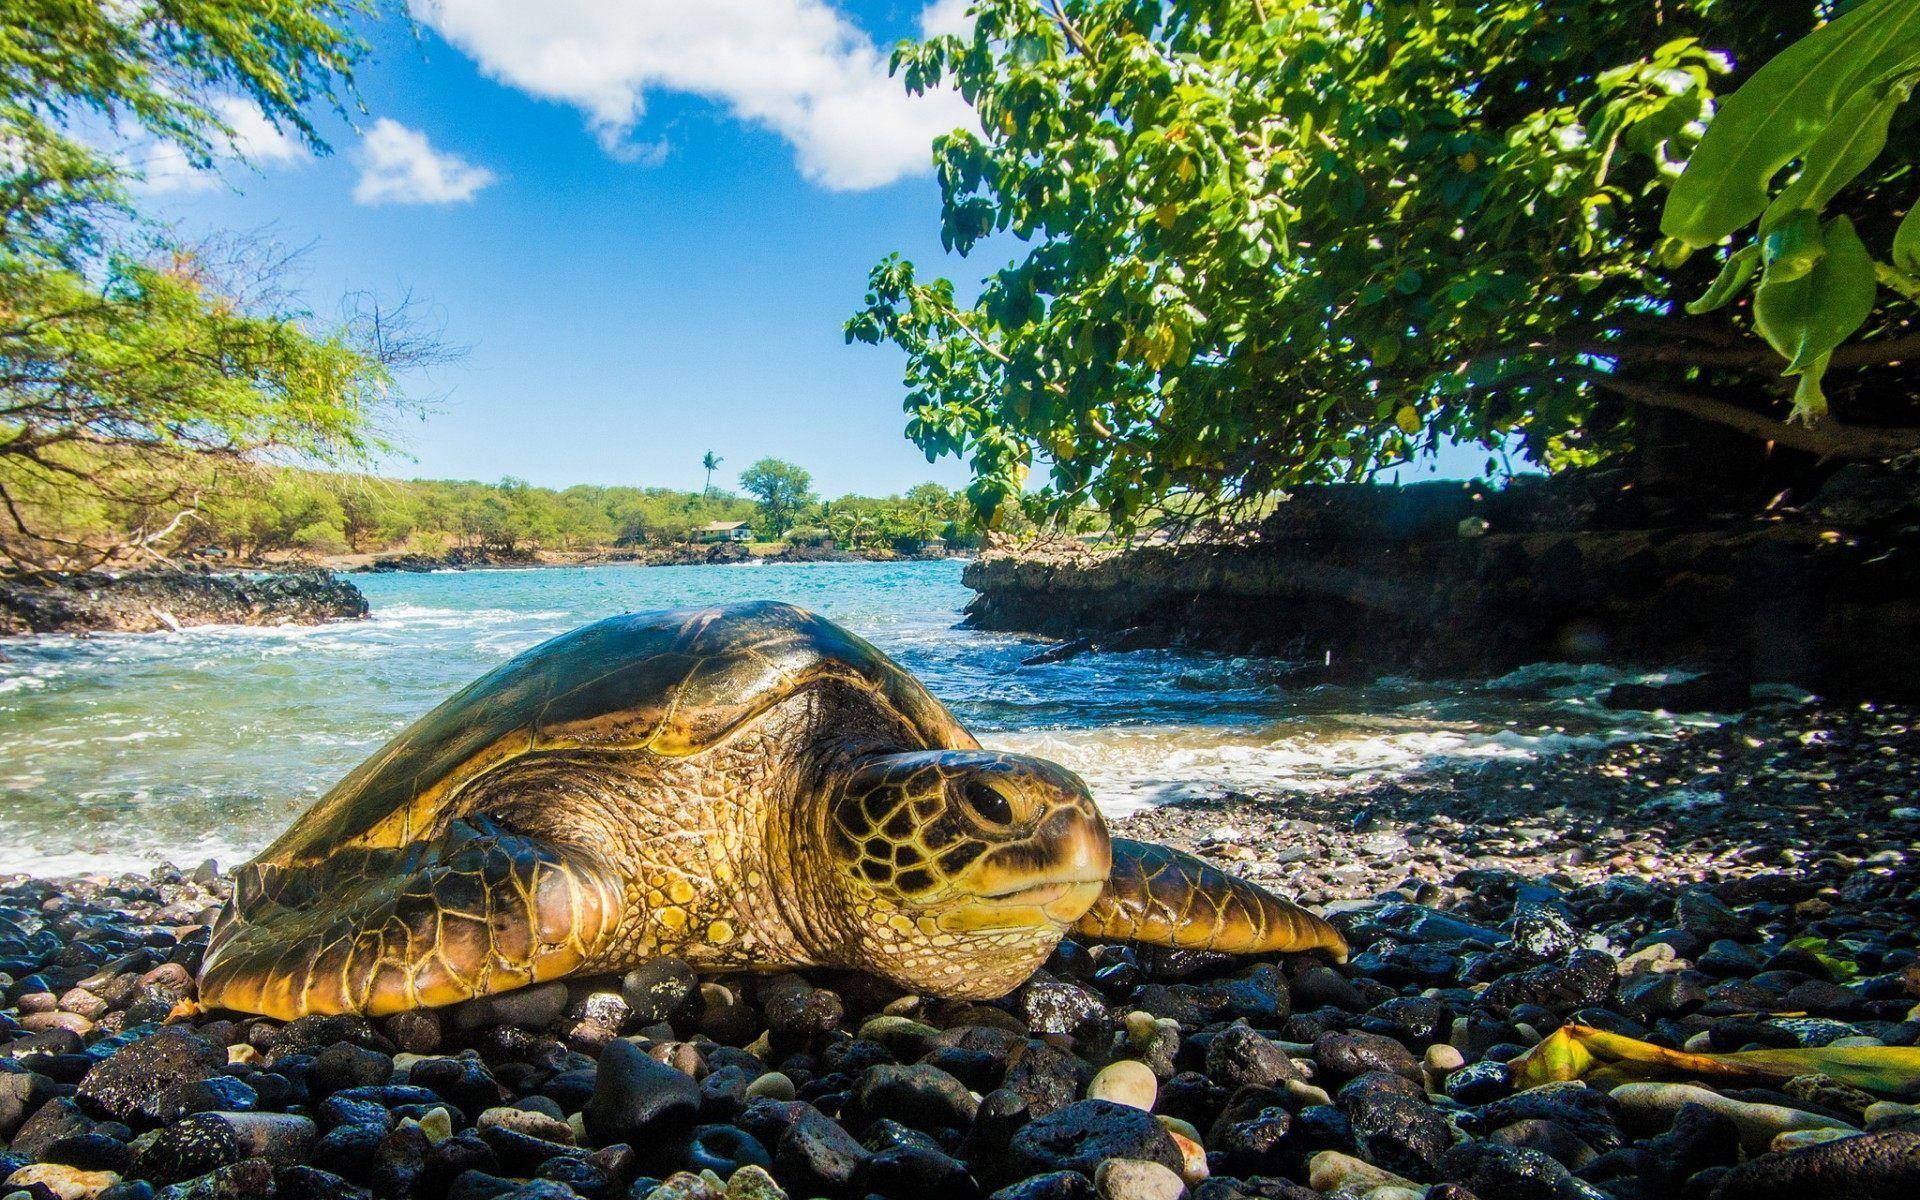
(118, 750)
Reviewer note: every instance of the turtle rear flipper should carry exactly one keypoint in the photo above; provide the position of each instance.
(476, 910)
(1163, 897)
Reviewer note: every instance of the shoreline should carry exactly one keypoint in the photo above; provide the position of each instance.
(1754, 885)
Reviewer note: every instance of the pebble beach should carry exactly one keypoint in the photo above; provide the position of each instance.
(1734, 886)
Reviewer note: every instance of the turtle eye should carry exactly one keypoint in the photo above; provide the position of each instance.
(987, 803)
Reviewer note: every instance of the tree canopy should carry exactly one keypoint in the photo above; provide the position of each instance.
(784, 491)
(1263, 244)
(114, 337)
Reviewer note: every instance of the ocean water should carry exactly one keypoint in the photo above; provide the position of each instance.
(121, 750)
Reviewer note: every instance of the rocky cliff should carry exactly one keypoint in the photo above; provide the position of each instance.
(1445, 579)
(148, 600)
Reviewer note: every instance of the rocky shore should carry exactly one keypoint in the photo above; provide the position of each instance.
(1751, 885)
(153, 599)
(1445, 579)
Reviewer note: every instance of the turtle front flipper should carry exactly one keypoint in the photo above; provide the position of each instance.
(1166, 898)
(474, 911)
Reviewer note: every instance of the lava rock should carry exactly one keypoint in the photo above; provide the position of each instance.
(635, 1098)
(1080, 1135)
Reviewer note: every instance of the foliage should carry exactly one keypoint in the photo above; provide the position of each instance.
(110, 337)
(1825, 102)
(1268, 244)
(251, 512)
(784, 491)
(1607, 1060)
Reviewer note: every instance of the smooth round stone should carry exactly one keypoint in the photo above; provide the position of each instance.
(1127, 1081)
(1332, 1171)
(1444, 1060)
(771, 1086)
(1136, 1179)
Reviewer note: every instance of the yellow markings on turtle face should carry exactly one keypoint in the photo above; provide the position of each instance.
(755, 879)
(901, 923)
(680, 891)
(720, 932)
(673, 918)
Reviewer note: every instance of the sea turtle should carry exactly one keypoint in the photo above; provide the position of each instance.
(746, 787)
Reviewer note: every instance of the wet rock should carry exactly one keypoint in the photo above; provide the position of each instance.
(1589, 1114)
(815, 1156)
(1054, 1185)
(1874, 1166)
(724, 1149)
(794, 1007)
(635, 1098)
(311, 1183)
(1047, 1077)
(920, 1096)
(141, 1071)
(1345, 1055)
(344, 1065)
(1238, 1056)
(1698, 1139)
(1251, 1145)
(1080, 1135)
(1050, 1005)
(913, 1173)
(1585, 978)
(657, 989)
(1495, 1172)
(1395, 1129)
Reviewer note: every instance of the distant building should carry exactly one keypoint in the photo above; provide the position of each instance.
(935, 545)
(724, 531)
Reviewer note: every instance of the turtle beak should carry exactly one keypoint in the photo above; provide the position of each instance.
(1051, 878)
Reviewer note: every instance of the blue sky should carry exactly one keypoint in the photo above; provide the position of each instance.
(645, 220)
(648, 250)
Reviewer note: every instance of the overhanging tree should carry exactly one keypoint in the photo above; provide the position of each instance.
(1275, 243)
(118, 349)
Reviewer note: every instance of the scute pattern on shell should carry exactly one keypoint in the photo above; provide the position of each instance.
(671, 682)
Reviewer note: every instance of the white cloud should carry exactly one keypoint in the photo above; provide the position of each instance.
(797, 67)
(398, 166)
(947, 16)
(255, 141)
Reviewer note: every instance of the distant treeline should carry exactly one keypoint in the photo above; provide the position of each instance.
(250, 512)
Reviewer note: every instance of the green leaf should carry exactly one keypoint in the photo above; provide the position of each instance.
(1777, 114)
(1408, 419)
(1608, 1059)
(1790, 250)
(1805, 317)
(1846, 147)
(1733, 276)
(1906, 241)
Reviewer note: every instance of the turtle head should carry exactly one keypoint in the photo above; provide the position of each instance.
(962, 868)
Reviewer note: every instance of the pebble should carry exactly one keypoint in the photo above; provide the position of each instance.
(1126, 1081)
(1136, 1179)
(1475, 929)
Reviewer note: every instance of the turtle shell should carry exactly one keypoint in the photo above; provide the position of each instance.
(671, 683)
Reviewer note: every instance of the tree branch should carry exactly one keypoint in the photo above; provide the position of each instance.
(1827, 438)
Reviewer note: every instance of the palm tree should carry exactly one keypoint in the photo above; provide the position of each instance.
(711, 462)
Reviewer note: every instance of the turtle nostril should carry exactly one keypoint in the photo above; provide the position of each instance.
(987, 802)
